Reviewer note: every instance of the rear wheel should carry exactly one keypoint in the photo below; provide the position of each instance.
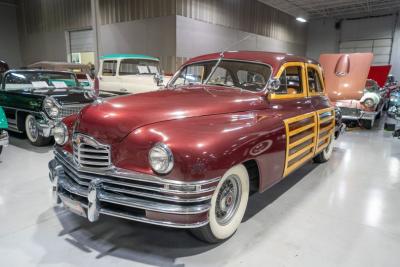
(1, 149)
(228, 205)
(32, 132)
(325, 154)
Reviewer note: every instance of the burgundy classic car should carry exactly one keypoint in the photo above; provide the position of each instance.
(227, 125)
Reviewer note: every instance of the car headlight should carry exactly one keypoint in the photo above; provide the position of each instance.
(161, 159)
(51, 108)
(60, 133)
(369, 102)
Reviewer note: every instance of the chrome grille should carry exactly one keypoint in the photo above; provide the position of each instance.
(66, 111)
(88, 153)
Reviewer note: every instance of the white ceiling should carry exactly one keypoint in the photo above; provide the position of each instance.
(314, 9)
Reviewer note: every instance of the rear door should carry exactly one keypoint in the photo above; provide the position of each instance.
(324, 111)
(298, 114)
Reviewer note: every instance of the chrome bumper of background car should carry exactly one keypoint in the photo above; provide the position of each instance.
(45, 126)
(359, 115)
(131, 195)
(3, 138)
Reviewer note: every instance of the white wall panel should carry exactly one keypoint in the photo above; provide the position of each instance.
(154, 37)
(368, 28)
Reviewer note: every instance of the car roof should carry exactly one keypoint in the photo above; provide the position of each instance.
(130, 56)
(39, 70)
(274, 59)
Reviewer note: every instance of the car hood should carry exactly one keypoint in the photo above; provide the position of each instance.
(345, 74)
(113, 119)
(64, 96)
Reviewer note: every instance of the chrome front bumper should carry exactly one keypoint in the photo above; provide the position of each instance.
(45, 126)
(3, 138)
(130, 195)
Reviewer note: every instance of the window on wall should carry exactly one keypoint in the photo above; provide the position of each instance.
(291, 81)
(314, 81)
(109, 68)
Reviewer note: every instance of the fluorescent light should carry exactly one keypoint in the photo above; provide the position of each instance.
(301, 19)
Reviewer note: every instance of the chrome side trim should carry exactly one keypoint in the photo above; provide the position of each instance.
(129, 175)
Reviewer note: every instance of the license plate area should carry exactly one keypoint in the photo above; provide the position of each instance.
(74, 206)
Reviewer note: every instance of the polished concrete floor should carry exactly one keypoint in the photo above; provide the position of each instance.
(342, 213)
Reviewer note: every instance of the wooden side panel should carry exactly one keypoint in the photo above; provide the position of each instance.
(301, 140)
(326, 127)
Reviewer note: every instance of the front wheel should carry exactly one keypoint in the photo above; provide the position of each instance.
(32, 132)
(228, 205)
(325, 154)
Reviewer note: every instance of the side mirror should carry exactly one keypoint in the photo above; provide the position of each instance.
(159, 79)
(273, 85)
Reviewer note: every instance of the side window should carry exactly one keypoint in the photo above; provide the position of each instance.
(314, 81)
(291, 81)
(190, 75)
(109, 68)
(222, 77)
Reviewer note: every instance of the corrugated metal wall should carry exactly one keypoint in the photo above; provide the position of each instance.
(245, 15)
(44, 19)
(114, 11)
(54, 15)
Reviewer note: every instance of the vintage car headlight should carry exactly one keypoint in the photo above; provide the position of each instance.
(369, 102)
(51, 108)
(60, 133)
(161, 158)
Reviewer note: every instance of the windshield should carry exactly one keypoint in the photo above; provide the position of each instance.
(244, 75)
(138, 66)
(37, 79)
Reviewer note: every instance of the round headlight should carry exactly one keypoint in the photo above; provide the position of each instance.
(161, 159)
(51, 108)
(369, 102)
(60, 133)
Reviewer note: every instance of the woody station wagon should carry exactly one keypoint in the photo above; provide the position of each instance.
(228, 125)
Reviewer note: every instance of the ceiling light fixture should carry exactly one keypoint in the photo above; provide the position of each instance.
(300, 19)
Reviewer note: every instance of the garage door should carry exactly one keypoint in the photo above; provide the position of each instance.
(381, 48)
(81, 46)
(81, 41)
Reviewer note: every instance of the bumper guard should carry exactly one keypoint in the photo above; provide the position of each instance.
(130, 195)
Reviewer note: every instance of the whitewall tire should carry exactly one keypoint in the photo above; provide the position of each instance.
(228, 205)
(32, 132)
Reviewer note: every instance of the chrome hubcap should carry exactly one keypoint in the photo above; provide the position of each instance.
(228, 199)
(32, 128)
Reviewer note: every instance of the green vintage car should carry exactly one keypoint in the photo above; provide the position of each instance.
(35, 100)
(3, 128)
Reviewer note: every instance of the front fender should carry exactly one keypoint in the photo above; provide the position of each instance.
(205, 147)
